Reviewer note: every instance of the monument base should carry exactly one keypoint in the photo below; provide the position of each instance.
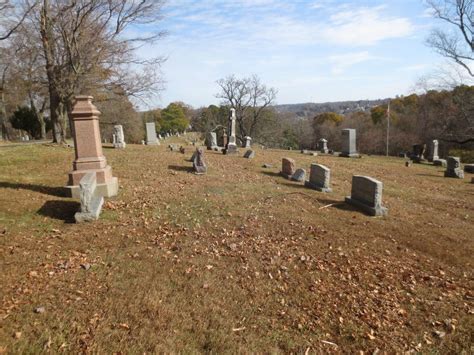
(372, 211)
(231, 149)
(152, 143)
(107, 189)
(317, 187)
(457, 174)
(350, 155)
(120, 145)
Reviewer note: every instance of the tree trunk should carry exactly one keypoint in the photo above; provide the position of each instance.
(55, 105)
(3, 118)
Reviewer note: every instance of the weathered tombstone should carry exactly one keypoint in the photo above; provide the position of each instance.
(319, 178)
(249, 154)
(299, 175)
(440, 162)
(267, 166)
(231, 147)
(418, 154)
(199, 164)
(287, 167)
(88, 150)
(119, 141)
(151, 138)
(143, 142)
(366, 194)
(211, 140)
(91, 201)
(433, 153)
(323, 146)
(469, 168)
(408, 163)
(453, 169)
(248, 142)
(402, 155)
(349, 143)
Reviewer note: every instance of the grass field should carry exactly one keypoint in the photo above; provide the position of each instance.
(238, 260)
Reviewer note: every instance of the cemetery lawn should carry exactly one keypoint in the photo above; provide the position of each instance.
(238, 260)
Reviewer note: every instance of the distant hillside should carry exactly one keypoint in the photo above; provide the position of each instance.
(342, 107)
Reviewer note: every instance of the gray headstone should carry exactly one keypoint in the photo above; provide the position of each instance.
(151, 138)
(199, 164)
(319, 178)
(119, 138)
(323, 146)
(349, 143)
(249, 154)
(91, 201)
(366, 194)
(299, 175)
(453, 169)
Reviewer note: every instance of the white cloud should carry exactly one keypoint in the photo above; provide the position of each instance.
(341, 62)
(366, 26)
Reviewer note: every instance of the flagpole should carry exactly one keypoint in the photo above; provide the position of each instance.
(388, 126)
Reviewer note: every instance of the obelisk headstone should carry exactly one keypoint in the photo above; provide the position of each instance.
(88, 150)
(231, 147)
(433, 154)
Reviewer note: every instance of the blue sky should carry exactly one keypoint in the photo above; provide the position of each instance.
(309, 50)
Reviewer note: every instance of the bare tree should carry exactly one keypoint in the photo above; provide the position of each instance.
(85, 47)
(456, 45)
(250, 99)
(12, 17)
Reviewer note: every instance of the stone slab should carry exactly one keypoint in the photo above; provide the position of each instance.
(319, 178)
(366, 194)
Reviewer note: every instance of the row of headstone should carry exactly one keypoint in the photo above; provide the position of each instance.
(366, 192)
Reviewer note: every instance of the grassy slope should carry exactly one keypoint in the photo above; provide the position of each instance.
(238, 259)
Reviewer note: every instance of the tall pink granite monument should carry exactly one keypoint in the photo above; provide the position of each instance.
(88, 148)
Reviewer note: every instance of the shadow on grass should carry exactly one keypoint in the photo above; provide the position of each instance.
(187, 169)
(431, 175)
(271, 173)
(60, 209)
(291, 183)
(47, 190)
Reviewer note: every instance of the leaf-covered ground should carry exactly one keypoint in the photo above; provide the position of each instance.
(238, 260)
